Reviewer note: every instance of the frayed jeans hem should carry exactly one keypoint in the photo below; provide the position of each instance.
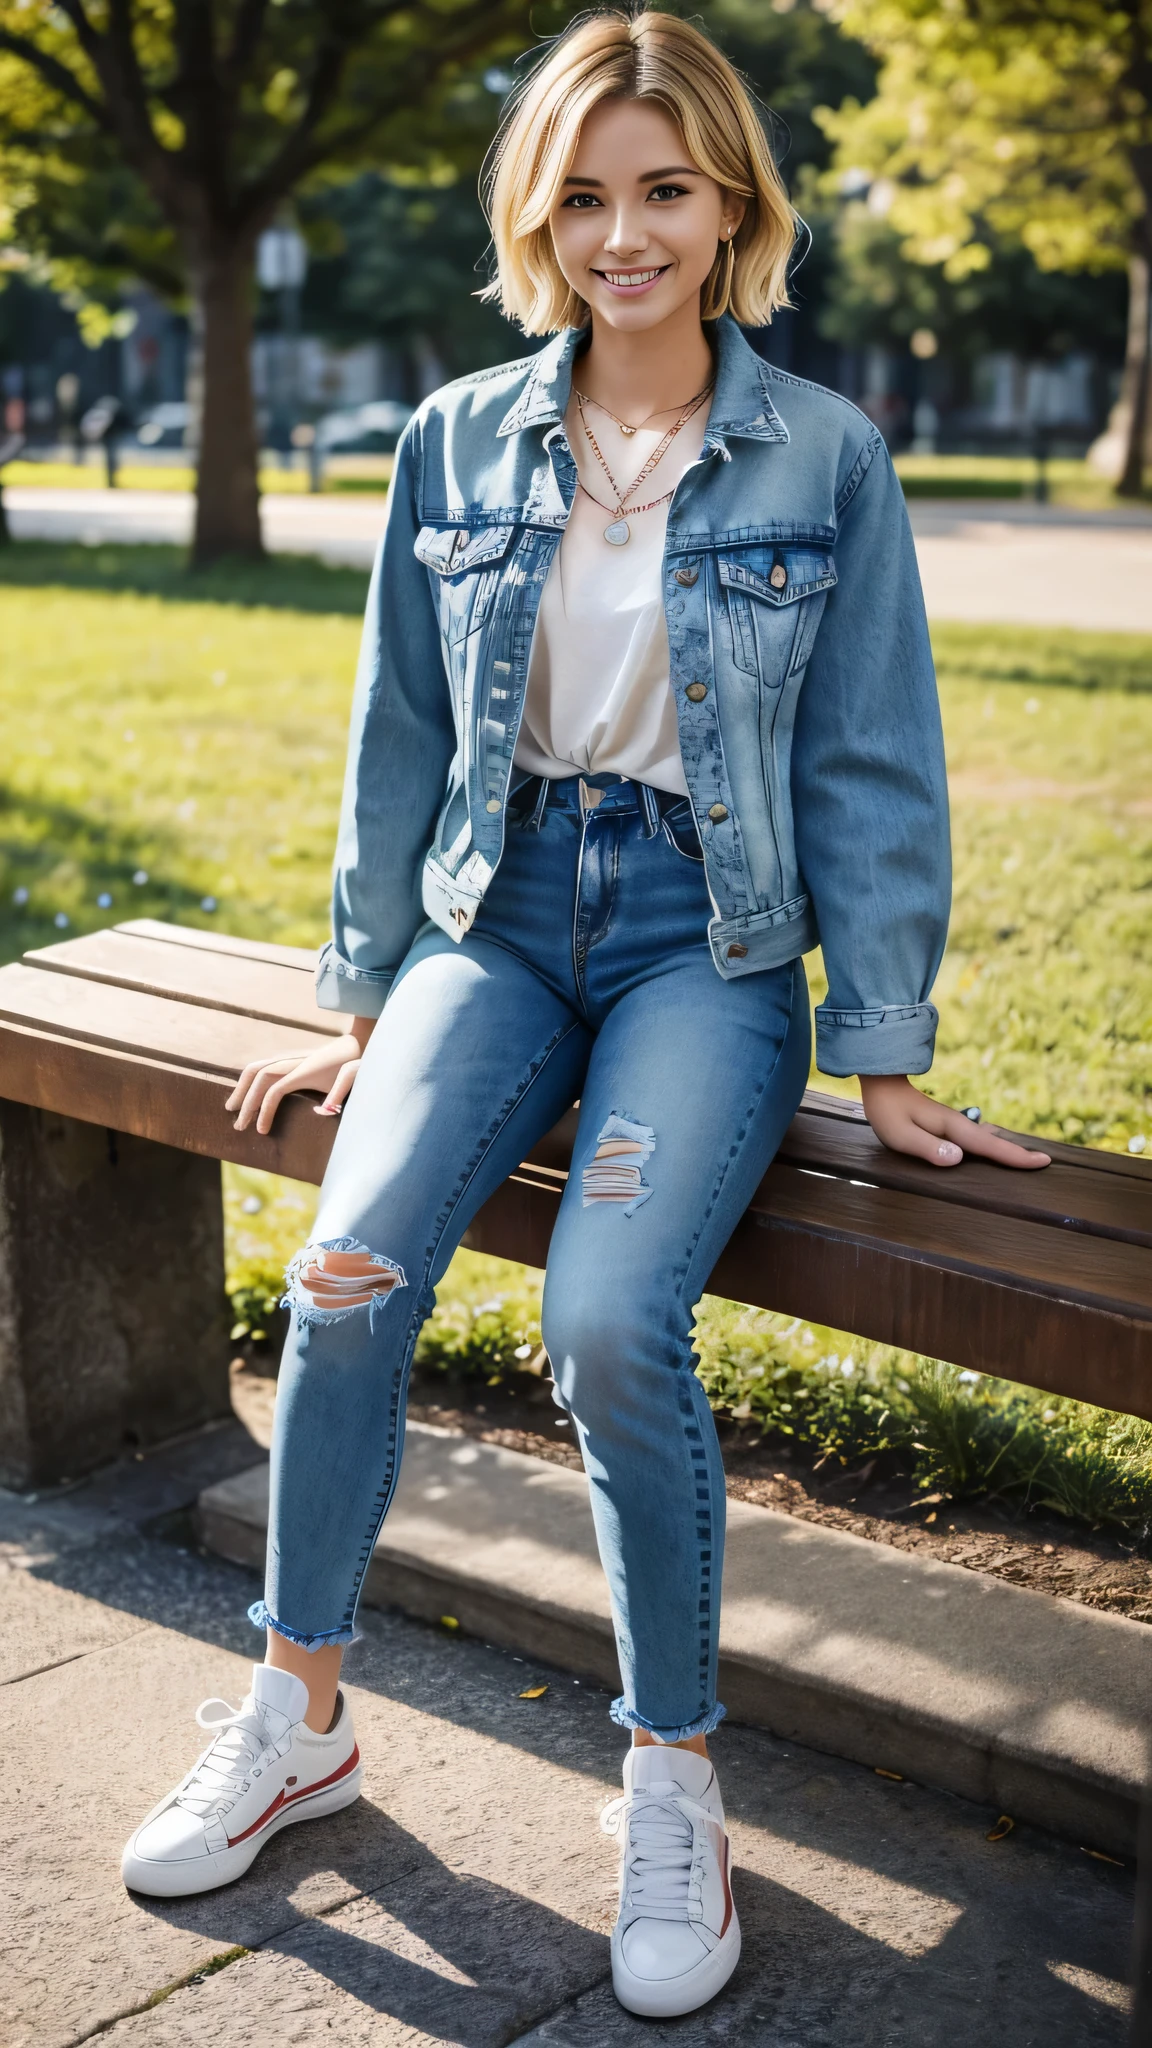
(625, 1717)
(259, 1616)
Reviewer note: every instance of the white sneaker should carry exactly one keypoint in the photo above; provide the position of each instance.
(676, 1941)
(263, 1771)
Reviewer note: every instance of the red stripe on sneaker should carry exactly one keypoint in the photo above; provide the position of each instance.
(725, 1872)
(284, 1799)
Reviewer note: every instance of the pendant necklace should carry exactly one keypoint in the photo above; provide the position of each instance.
(618, 532)
(624, 425)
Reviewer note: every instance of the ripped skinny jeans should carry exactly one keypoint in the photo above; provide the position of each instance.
(586, 974)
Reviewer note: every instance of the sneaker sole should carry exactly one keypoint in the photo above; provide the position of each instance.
(208, 1873)
(675, 1995)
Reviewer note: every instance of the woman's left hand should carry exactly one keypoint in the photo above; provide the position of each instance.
(907, 1121)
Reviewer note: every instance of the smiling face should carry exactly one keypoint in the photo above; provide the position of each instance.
(636, 226)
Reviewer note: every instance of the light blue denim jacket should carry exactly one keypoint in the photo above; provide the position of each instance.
(800, 663)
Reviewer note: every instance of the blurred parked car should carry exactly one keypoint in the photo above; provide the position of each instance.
(363, 429)
(164, 426)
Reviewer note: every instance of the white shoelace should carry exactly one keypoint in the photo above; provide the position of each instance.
(659, 1856)
(223, 1771)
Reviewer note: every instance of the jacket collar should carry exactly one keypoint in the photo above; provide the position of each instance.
(741, 404)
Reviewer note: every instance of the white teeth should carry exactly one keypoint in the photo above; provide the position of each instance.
(630, 276)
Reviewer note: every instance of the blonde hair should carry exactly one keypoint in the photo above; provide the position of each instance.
(649, 56)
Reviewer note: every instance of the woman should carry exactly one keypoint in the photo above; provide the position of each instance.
(645, 709)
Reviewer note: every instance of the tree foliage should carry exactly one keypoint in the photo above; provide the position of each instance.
(156, 139)
(1029, 117)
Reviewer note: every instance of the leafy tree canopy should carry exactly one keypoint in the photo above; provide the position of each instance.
(1032, 118)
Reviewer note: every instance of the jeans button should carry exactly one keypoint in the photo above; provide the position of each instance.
(718, 813)
(493, 804)
(696, 692)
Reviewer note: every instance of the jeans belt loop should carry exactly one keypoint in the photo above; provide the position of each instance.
(650, 808)
(537, 817)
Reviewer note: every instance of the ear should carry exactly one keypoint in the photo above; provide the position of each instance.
(731, 215)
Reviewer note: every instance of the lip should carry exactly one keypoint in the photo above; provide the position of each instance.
(651, 274)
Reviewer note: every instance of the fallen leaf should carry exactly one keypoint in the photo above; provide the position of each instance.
(896, 1776)
(930, 1518)
(1004, 1826)
(1100, 1857)
(449, 1621)
(534, 1692)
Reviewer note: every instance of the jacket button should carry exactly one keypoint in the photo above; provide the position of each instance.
(493, 804)
(737, 952)
(696, 692)
(687, 577)
(779, 576)
(718, 813)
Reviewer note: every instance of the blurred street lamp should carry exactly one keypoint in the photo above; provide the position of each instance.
(281, 267)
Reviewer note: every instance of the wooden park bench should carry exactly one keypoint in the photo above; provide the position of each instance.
(117, 1050)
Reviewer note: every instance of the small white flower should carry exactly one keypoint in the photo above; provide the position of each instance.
(251, 1205)
(60, 920)
(207, 903)
(104, 900)
(19, 896)
(1134, 1144)
(140, 877)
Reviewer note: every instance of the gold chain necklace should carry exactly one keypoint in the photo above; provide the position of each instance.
(585, 398)
(618, 532)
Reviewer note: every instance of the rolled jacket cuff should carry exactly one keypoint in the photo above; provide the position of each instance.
(898, 1039)
(359, 991)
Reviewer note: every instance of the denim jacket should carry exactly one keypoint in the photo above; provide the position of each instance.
(800, 664)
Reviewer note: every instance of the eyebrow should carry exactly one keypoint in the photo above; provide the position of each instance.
(646, 177)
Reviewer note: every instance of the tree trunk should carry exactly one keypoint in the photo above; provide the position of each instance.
(1124, 449)
(1137, 365)
(227, 489)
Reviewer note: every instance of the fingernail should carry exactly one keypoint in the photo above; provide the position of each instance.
(947, 1151)
(322, 1109)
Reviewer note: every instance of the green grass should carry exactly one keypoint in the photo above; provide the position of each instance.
(191, 729)
(1070, 482)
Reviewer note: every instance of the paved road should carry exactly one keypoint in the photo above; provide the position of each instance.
(998, 561)
(467, 1897)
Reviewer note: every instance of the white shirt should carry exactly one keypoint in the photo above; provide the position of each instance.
(598, 695)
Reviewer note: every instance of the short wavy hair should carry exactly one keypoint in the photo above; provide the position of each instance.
(635, 56)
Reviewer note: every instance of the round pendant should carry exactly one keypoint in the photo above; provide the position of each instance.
(627, 430)
(618, 534)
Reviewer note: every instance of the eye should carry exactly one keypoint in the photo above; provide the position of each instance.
(580, 201)
(668, 192)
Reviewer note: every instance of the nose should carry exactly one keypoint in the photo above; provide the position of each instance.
(626, 235)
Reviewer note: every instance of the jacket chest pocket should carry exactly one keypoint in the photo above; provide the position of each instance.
(773, 599)
(467, 564)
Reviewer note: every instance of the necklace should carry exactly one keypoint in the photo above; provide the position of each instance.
(625, 428)
(618, 532)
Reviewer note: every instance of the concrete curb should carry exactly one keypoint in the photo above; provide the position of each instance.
(1033, 1705)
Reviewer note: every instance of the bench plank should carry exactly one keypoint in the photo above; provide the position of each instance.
(244, 987)
(889, 1293)
(303, 958)
(127, 1021)
(1068, 1197)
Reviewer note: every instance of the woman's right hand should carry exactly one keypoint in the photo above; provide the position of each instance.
(330, 1070)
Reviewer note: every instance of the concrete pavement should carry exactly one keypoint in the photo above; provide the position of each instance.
(467, 1897)
(998, 560)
